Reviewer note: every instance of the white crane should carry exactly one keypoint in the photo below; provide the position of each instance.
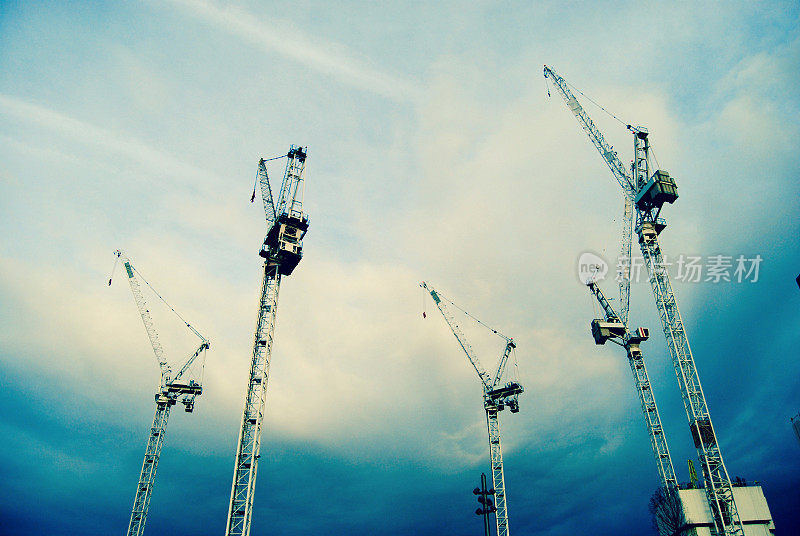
(612, 328)
(648, 194)
(171, 390)
(282, 251)
(496, 396)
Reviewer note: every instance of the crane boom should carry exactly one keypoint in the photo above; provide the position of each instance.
(501, 366)
(620, 173)
(144, 312)
(649, 195)
(266, 193)
(608, 310)
(486, 380)
(603, 147)
(205, 345)
(617, 330)
(290, 201)
(282, 251)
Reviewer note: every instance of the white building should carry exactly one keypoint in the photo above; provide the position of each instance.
(750, 501)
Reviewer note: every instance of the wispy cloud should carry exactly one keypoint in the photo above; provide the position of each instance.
(115, 143)
(326, 57)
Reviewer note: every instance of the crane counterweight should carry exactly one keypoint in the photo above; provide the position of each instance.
(660, 189)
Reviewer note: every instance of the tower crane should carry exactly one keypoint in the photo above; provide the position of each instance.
(282, 250)
(612, 328)
(172, 388)
(648, 194)
(496, 396)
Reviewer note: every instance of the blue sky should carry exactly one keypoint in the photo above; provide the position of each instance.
(434, 153)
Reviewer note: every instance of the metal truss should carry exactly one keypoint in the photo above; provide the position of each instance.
(717, 481)
(653, 420)
(625, 259)
(247, 454)
(282, 251)
(498, 478)
(148, 475)
(618, 332)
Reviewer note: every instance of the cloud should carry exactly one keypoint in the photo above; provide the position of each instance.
(326, 57)
(491, 194)
(118, 144)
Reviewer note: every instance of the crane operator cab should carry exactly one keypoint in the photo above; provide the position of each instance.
(602, 329)
(284, 241)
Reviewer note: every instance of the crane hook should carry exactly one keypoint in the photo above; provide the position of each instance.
(117, 253)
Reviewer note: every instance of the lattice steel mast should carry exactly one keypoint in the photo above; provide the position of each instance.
(649, 193)
(282, 251)
(171, 390)
(614, 329)
(495, 399)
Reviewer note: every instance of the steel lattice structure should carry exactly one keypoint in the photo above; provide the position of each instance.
(282, 251)
(495, 398)
(247, 454)
(719, 490)
(171, 390)
(625, 259)
(144, 490)
(616, 330)
(498, 476)
(649, 193)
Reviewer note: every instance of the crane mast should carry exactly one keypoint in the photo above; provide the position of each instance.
(616, 330)
(147, 476)
(282, 250)
(171, 390)
(649, 193)
(719, 490)
(624, 272)
(495, 398)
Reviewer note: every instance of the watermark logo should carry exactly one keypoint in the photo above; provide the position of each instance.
(591, 267)
(683, 268)
(692, 268)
